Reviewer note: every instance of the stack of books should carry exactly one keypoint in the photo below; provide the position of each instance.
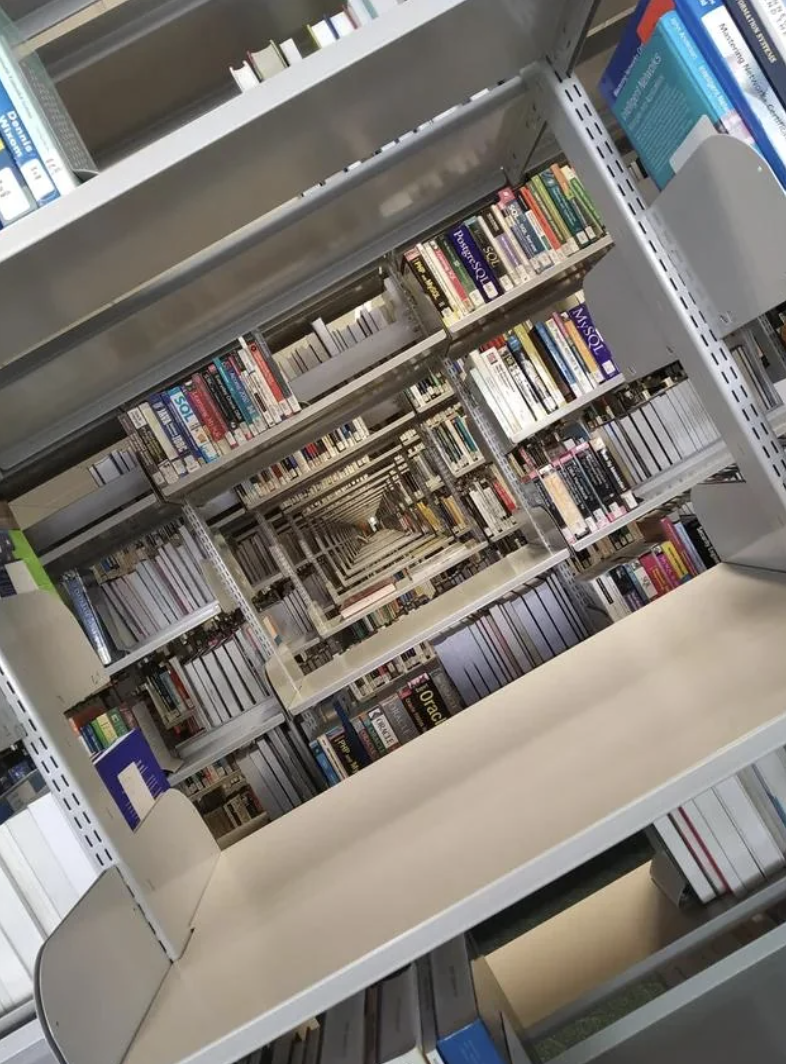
(277, 56)
(135, 594)
(348, 741)
(431, 389)
(326, 341)
(305, 462)
(509, 639)
(445, 1008)
(236, 397)
(452, 435)
(506, 243)
(212, 677)
(99, 726)
(677, 552)
(115, 464)
(691, 67)
(34, 170)
(366, 686)
(731, 838)
(254, 556)
(280, 771)
(223, 797)
(532, 371)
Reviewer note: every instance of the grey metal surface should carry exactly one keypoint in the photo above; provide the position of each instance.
(729, 1013)
(207, 180)
(268, 269)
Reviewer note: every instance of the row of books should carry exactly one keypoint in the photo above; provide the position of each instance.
(431, 389)
(280, 772)
(365, 687)
(732, 838)
(277, 56)
(115, 464)
(343, 477)
(212, 677)
(327, 341)
(99, 726)
(451, 433)
(628, 541)
(305, 462)
(237, 396)
(693, 63)
(506, 243)
(224, 813)
(44, 871)
(254, 557)
(672, 559)
(34, 169)
(222, 773)
(443, 1008)
(348, 741)
(509, 639)
(138, 592)
(530, 372)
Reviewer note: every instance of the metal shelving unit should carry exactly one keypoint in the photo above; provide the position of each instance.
(209, 996)
(164, 637)
(241, 731)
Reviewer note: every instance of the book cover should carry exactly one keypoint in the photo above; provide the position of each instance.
(132, 776)
(476, 265)
(666, 88)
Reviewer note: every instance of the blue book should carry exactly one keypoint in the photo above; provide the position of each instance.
(132, 776)
(326, 768)
(237, 390)
(87, 616)
(474, 262)
(171, 426)
(172, 400)
(462, 1035)
(664, 93)
(546, 339)
(23, 151)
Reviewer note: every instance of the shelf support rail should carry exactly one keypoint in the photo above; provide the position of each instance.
(566, 107)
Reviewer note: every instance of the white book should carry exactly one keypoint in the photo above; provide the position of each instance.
(251, 681)
(745, 817)
(151, 581)
(583, 380)
(290, 51)
(697, 848)
(21, 873)
(767, 810)
(17, 978)
(713, 844)
(127, 594)
(244, 76)
(267, 62)
(239, 689)
(43, 862)
(64, 843)
(399, 1024)
(203, 683)
(661, 432)
(342, 24)
(192, 572)
(26, 106)
(650, 439)
(457, 306)
(771, 770)
(677, 394)
(687, 863)
(359, 12)
(322, 33)
(382, 726)
(173, 575)
(729, 837)
(221, 684)
(179, 573)
(134, 580)
(259, 785)
(279, 771)
(509, 426)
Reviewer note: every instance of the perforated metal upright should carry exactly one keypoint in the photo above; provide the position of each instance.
(667, 290)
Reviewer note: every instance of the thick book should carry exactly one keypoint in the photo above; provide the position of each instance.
(132, 776)
(666, 92)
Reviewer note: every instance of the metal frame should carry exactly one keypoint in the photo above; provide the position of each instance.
(565, 105)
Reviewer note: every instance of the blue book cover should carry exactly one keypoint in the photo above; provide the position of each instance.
(476, 265)
(724, 47)
(326, 768)
(548, 342)
(236, 390)
(470, 1045)
(132, 776)
(29, 163)
(169, 423)
(666, 97)
(180, 410)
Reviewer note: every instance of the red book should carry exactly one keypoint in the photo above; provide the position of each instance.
(666, 568)
(672, 535)
(693, 839)
(504, 495)
(266, 372)
(453, 278)
(206, 410)
(532, 205)
(653, 571)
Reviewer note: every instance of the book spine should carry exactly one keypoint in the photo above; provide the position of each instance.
(325, 767)
(170, 427)
(278, 395)
(451, 278)
(245, 404)
(475, 298)
(226, 404)
(505, 247)
(589, 333)
(151, 444)
(265, 409)
(268, 365)
(533, 205)
(429, 286)
(553, 189)
(196, 431)
(546, 339)
(574, 338)
(24, 152)
(581, 194)
(561, 338)
(755, 22)
(476, 265)
(149, 464)
(202, 404)
(548, 208)
(486, 247)
(27, 110)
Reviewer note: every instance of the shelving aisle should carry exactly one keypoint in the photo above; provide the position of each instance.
(396, 493)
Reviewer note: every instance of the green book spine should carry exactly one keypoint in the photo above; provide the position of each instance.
(98, 731)
(546, 204)
(117, 722)
(561, 205)
(583, 196)
(458, 268)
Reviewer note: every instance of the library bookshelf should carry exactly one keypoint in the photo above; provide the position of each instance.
(212, 994)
